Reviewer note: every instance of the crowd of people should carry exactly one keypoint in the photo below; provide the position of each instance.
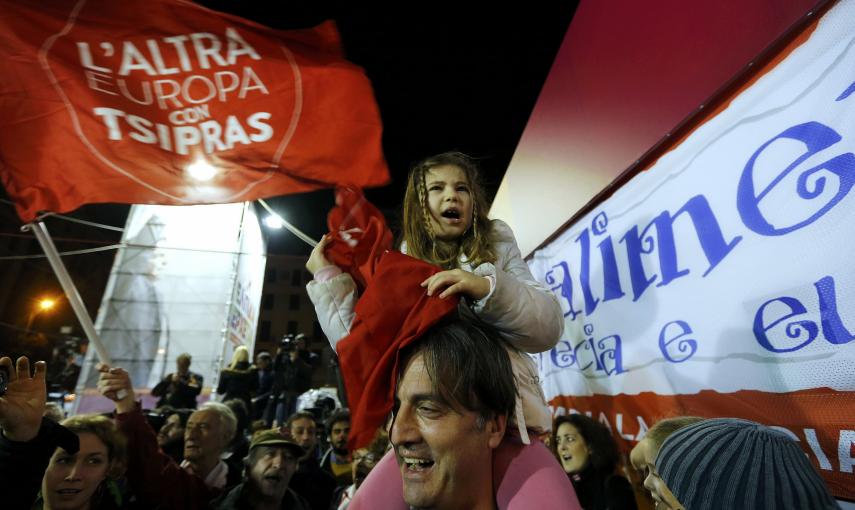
(468, 429)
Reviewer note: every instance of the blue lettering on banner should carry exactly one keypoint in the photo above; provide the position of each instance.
(816, 137)
(832, 327)
(686, 347)
(602, 356)
(564, 286)
(846, 93)
(611, 284)
(804, 331)
(708, 232)
(716, 247)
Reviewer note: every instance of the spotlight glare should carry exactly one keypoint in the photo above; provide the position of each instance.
(273, 221)
(201, 170)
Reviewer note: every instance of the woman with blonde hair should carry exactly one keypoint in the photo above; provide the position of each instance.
(239, 380)
(643, 459)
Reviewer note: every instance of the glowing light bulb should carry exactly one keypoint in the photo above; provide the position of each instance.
(201, 170)
(46, 304)
(273, 221)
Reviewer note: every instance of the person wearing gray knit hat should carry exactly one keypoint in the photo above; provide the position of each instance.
(738, 464)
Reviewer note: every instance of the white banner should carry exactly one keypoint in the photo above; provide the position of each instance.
(721, 281)
(245, 302)
(732, 255)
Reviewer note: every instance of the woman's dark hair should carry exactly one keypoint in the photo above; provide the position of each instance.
(604, 453)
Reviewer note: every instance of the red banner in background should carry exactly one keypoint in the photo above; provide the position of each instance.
(819, 419)
(113, 101)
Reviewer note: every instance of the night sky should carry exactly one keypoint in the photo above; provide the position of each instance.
(445, 78)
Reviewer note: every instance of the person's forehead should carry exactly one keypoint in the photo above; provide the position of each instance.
(173, 418)
(567, 428)
(416, 382)
(451, 173)
(204, 416)
(640, 455)
(302, 423)
(341, 424)
(91, 444)
(283, 450)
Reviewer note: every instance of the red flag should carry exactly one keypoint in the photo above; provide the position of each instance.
(106, 101)
(360, 235)
(393, 312)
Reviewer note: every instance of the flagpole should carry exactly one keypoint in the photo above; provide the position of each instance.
(68, 286)
(291, 228)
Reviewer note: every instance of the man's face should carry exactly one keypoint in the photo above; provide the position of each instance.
(441, 452)
(643, 458)
(338, 436)
(183, 365)
(171, 431)
(271, 470)
(204, 435)
(262, 362)
(303, 432)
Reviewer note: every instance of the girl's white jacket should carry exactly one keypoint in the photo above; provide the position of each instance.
(526, 314)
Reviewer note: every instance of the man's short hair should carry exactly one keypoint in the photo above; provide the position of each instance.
(342, 414)
(468, 366)
(227, 418)
(300, 415)
(184, 356)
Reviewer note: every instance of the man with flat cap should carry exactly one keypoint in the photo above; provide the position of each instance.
(271, 462)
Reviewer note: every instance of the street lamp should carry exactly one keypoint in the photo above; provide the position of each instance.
(274, 222)
(43, 305)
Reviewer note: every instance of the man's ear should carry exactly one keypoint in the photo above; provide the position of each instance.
(496, 429)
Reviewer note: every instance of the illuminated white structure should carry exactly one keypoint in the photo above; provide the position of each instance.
(188, 279)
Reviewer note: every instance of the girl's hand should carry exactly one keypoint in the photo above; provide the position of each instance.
(23, 405)
(458, 281)
(317, 259)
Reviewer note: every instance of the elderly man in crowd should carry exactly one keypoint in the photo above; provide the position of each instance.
(271, 463)
(154, 477)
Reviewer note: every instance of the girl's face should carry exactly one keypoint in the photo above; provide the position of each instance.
(643, 458)
(71, 480)
(449, 199)
(571, 447)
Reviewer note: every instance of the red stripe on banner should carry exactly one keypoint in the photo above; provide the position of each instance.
(821, 419)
